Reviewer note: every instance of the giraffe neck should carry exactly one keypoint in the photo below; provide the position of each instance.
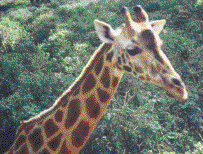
(67, 125)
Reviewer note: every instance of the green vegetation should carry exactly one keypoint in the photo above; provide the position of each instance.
(45, 45)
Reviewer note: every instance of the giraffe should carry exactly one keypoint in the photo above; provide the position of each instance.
(135, 48)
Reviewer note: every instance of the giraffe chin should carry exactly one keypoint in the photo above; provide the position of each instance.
(183, 96)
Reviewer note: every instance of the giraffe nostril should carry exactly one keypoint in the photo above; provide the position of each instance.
(177, 82)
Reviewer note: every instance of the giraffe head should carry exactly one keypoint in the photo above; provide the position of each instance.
(137, 50)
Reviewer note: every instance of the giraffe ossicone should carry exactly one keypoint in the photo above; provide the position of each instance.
(135, 48)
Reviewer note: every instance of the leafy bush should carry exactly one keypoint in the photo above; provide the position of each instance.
(93, 39)
(153, 6)
(5, 89)
(26, 45)
(64, 13)
(73, 60)
(21, 15)
(178, 45)
(195, 29)
(11, 33)
(11, 66)
(181, 15)
(5, 5)
(41, 27)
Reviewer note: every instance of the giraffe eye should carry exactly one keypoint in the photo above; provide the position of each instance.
(134, 51)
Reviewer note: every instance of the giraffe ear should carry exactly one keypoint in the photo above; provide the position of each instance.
(105, 32)
(158, 25)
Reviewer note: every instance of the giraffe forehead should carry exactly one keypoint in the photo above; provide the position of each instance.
(145, 41)
(148, 39)
(143, 33)
(139, 27)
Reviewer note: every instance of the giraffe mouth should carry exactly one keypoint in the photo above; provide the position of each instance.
(170, 94)
(178, 95)
(175, 88)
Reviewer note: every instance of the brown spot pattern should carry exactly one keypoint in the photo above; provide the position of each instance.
(128, 69)
(29, 126)
(75, 89)
(89, 83)
(115, 81)
(59, 116)
(64, 100)
(19, 141)
(23, 150)
(105, 79)
(109, 56)
(76, 92)
(141, 77)
(154, 71)
(171, 85)
(123, 58)
(164, 71)
(36, 139)
(50, 128)
(138, 69)
(25, 126)
(73, 113)
(11, 151)
(80, 134)
(93, 108)
(127, 56)
(103, 95)
(119, 60)
(44, 151)
(149, 39)
(158, 67)
(134, 73)
(99, 65)
(148, 78)
(64, 149)
(164, 80)
(118, 66)
(130, 64)
(20, 129)
(55, 142)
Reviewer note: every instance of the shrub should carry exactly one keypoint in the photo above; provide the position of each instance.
(11, 33)
(195, 28)
(77, 59)
(5, 89)
(59, 44)
(21, 15)
(41, 27)
(153, 6)
(64, 13)
(176, 44)
(11, 66)
(93, 39)
(26, 45)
